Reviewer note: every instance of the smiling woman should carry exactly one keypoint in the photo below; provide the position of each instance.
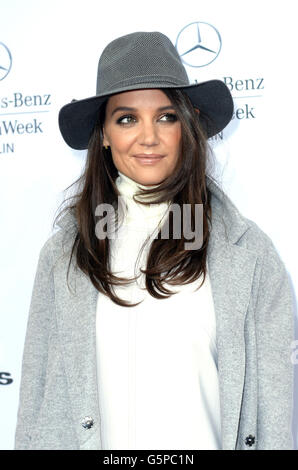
(119, 359)
(129, 127)
(145, 144)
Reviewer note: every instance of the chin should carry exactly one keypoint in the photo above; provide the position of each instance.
(150, 181)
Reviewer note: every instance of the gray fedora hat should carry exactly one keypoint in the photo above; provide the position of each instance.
(143, 60)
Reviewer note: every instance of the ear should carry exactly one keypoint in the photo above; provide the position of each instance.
(105, 140)
(197, 110)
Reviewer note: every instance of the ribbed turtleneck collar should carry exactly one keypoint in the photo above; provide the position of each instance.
(127, 188)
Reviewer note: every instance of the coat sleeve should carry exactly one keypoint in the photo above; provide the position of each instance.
(275, 333)
(35, 352)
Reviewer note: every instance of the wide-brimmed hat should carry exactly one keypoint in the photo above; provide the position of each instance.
(143, 60)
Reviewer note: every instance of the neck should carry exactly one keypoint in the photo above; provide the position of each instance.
(128, 187)
(139, 213)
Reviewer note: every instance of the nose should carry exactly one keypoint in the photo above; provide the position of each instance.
(148, 134)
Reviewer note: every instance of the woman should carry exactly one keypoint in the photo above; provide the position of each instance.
(194, 352)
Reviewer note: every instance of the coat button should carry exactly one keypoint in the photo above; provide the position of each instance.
(250, 440)
(87, 422)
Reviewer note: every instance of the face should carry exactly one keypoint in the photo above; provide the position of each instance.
(148, 125)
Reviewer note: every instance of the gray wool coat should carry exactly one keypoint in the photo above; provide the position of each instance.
(254, 330)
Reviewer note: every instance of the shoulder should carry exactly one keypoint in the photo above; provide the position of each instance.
(255, 238)
(259, 242)
(231, 225)
(60, 243)
(271, 285)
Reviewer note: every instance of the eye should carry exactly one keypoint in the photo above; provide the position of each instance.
(171, 117)
(120, 120)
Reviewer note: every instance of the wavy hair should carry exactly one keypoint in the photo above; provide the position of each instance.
(168, 261)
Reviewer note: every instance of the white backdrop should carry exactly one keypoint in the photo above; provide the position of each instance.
(49, 52)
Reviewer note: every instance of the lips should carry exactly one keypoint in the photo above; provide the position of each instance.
(148, 159)
(148, 155)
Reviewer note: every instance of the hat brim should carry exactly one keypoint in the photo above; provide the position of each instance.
(213, 98)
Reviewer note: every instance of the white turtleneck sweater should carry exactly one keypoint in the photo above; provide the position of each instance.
(156, 362)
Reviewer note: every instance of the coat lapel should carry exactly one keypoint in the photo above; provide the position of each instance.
(76, 318)
(231, 269)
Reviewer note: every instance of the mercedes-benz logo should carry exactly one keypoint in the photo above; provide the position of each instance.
(5, 61)
(198, 44)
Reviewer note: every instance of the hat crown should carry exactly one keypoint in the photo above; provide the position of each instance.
(139, 58)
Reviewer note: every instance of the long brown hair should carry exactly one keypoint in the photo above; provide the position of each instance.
(167, 259)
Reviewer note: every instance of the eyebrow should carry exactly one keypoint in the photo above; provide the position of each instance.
(127, 108)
